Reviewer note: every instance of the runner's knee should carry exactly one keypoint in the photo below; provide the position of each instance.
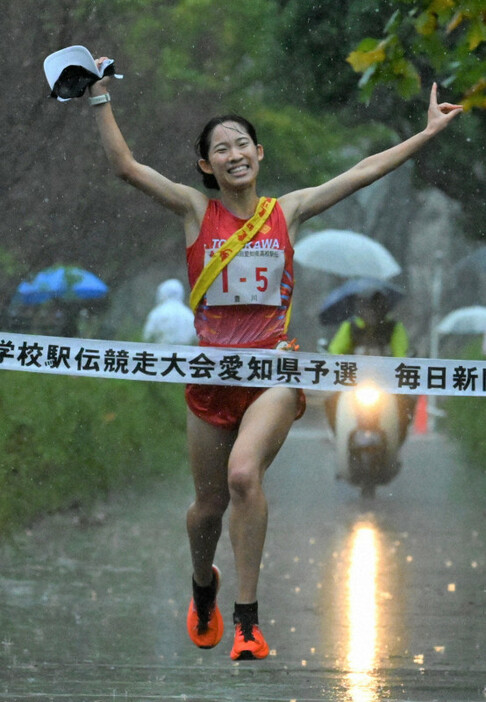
(243, 479)
(211, 506)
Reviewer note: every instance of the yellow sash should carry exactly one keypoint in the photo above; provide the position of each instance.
(229, 249)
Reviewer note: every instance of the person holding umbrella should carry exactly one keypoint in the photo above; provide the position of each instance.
(234, 433)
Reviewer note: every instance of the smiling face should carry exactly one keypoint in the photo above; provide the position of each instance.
(233, 157)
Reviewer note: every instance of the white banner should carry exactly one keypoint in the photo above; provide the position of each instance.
(228, 366)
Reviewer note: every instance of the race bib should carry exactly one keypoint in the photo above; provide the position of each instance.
(253, 277)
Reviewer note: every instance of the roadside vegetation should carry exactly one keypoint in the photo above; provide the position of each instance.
(465, 418)
(67, 442)
(465, 421)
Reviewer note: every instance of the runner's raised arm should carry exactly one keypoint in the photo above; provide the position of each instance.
(302, 204)
(181, 199)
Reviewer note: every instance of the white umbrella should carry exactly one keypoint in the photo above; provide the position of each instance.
(465, 320)
(475, 262)
(346, 253)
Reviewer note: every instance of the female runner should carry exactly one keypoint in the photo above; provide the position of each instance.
(235, 433)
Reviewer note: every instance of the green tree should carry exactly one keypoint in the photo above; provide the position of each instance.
(311, 42)
(203, 57)
(422, 41)
(192, 47)
(444, 39)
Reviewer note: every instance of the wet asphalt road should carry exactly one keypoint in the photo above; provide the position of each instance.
(359, 600)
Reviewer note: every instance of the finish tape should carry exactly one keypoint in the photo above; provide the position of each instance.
(130, 360)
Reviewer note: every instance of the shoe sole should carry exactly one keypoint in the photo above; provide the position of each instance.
(246, 656)
(258, 652)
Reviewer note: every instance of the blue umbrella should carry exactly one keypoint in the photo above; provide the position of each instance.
(68, 283)
(340, 304)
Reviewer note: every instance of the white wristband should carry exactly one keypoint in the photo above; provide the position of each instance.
(99, 99)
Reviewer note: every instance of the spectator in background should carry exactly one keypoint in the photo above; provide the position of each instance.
(170, 321)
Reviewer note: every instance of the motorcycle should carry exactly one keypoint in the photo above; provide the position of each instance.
(367, 432)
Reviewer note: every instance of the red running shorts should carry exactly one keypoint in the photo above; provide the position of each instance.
(224, 405)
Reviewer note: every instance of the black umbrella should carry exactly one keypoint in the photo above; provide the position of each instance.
(340, 304)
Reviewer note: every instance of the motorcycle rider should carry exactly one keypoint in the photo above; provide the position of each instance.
(373, 332)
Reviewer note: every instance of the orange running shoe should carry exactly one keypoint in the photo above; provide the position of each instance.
(249, 643)
(205, 623)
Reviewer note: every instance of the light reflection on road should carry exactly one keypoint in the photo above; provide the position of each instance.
(362, 612)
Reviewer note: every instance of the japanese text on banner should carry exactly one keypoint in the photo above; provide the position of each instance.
(228, 366)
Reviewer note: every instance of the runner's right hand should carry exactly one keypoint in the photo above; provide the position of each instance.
(101, 86)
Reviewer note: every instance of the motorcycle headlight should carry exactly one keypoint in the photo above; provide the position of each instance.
(367, 395)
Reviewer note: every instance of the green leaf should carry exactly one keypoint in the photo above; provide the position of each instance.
(476, 34)
(362, 60)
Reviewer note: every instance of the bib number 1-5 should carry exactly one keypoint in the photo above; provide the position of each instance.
(253, 277)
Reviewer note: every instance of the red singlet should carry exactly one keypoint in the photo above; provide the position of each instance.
(247, 303)
(246, 306)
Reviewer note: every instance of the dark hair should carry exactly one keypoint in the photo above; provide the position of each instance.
(204, 140)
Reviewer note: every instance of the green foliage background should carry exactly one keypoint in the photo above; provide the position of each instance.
(291, 56)
(465, 418)
(421, 41)
(281, 63)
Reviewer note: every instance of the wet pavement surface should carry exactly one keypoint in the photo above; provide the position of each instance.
(360, 600)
